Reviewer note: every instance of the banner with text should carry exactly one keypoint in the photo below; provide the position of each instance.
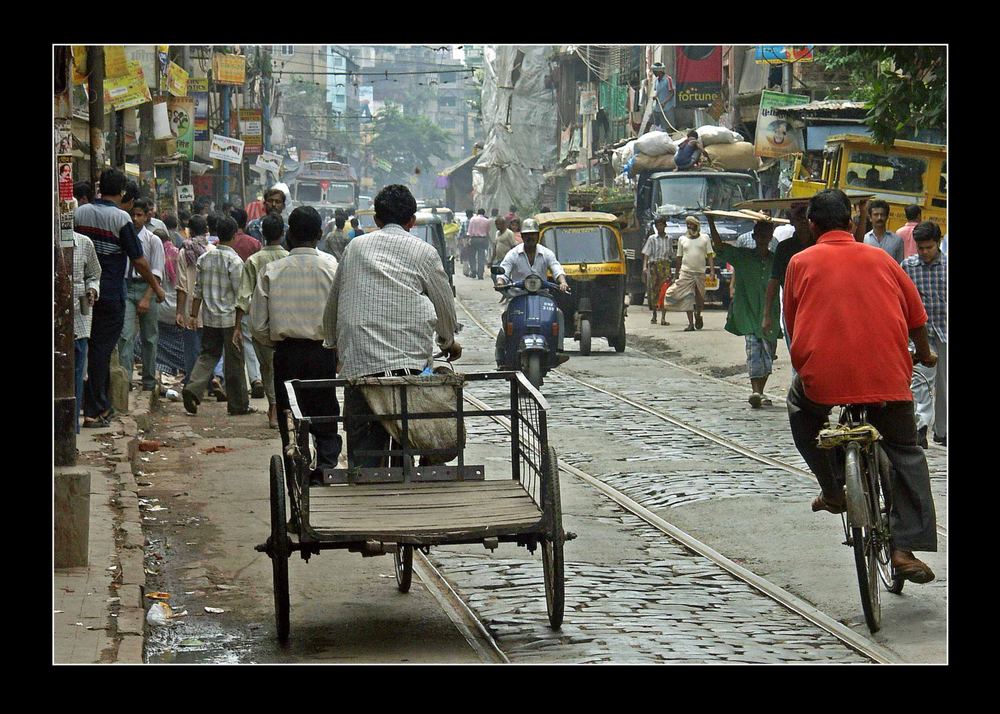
(182, 123)
(269, 161)
(777, 135)
(225, 148)
(229, 69)
(198, 91)
(251, 131)
(699, 75)
(127, 91)
(177, 80)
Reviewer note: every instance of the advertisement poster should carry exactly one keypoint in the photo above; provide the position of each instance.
(225, 148)
(588, 102)
(177, 80)
(269, 161)
(127, 91)
(66, 227)
(185, 193)
(198, 91)
(251, 131)
(777, 135)
(79, 64)
(65, 177)
(779, 54)
(147, 57)
(229, 69)
(699, 75)
(181, 110)
(63, 137)
(203, 185)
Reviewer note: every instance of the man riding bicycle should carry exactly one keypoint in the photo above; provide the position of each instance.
(849, 308)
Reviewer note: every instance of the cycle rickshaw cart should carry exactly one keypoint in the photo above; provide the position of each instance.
(407, 505)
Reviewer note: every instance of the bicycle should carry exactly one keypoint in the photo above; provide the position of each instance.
(868, 484)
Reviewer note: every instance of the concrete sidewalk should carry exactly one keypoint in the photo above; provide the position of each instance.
(98, 614)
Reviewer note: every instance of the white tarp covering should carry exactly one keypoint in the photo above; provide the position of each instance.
(519, 118)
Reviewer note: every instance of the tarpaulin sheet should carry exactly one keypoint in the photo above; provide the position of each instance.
(519, 118)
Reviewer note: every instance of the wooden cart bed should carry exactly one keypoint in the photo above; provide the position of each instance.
(421, 509)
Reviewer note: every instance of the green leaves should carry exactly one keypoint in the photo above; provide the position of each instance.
(406, 142)
(904, 85)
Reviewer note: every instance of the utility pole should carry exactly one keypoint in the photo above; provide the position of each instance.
(95, 110)
(225, 128)
(64, 425)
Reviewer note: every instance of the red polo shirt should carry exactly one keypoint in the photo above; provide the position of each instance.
(849, 308)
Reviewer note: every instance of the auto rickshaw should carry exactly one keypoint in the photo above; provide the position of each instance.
(588, 244)
(366, 219)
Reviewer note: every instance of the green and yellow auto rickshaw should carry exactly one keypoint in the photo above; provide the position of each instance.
(588, 244)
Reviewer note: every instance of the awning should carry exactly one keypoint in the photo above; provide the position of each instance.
(455, 167)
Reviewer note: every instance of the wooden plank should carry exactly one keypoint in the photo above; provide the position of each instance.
(481, 507)
(396, 475)
(389, 532)
(390, 506)
(332, 492)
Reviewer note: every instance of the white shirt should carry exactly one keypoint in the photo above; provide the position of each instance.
(152, 250)
(694, 252)
(516, 267)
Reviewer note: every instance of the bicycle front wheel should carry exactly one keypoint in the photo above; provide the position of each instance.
(864, 535)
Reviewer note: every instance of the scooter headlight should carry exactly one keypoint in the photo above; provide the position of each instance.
(532, 283)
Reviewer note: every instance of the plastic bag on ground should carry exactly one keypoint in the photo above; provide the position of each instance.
(159, 615)
(655, 143)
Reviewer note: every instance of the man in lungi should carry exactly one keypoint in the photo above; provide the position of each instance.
(656, 256)
(687, 293)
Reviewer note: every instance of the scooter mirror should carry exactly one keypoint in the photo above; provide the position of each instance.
(496, 270)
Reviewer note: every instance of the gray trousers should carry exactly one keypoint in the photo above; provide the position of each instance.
(214, 342)
(930, 391)
(265, 357)
(912, 519)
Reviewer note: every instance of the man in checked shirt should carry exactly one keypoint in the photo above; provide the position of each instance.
(390, 296)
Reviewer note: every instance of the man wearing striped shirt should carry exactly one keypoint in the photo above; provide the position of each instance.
(114, 237)
(273, 228)
(216, 289)
(86, 291)
(286, 312)
(929, 271)
(390, 296)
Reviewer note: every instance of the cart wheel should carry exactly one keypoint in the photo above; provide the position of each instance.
(585, 337)
(618, 342)
(552, 548)
(404, 567)
(280, 549)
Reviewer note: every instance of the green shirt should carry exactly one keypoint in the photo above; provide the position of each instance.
(747, 307)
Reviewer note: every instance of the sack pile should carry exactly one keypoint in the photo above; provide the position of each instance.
(643, 163)
(737, 156)
(655, 143)
(711, 135)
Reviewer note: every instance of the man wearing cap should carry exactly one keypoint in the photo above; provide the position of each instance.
(753, 268)
(529, 258)
(665, 97)
(694, 251)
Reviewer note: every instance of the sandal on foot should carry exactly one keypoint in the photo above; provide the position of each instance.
(96, 423)
(689, 328)
(822, 503)
(698, 322)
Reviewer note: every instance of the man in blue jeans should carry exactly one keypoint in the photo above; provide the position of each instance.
(115, 239)
(138, 300)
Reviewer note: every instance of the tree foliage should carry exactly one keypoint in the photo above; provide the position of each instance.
(406, 143)
(312, 123)
(904, 86)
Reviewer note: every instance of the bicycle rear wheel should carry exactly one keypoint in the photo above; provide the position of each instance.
(863, 535)
(881, 495)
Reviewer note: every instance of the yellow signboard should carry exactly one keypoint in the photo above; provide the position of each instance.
(229, 69)
(177, 80)
(127, 91)
(197, 84)
(115, 64)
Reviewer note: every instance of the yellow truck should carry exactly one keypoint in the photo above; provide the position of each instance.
(910, 172)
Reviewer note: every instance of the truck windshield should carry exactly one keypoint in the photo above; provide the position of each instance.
(582, 244)
(340, 193)
(695, 192)
(308, 192)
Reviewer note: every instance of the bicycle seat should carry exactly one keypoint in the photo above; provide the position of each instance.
(833, 436)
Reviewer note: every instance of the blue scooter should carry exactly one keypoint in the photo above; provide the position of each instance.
(531, 325)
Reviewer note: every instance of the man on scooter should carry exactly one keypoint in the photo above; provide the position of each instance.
(523, 260)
